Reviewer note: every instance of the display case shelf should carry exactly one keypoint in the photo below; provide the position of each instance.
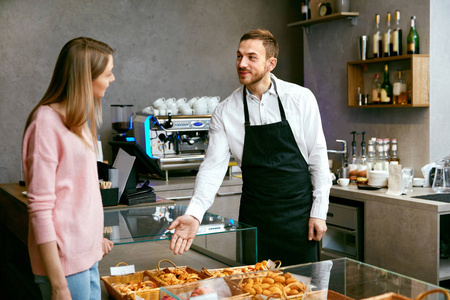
(416, 67)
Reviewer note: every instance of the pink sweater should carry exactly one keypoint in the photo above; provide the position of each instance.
(64, 197)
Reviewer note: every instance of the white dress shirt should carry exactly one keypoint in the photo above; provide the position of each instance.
(227, 132)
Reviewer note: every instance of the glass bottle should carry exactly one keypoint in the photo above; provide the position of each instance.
(386, 87)
(387, 40)
(397, 48)
(362, 163)
(394, 156)
(386, 149)
(306, 10)
(380, 162)
(413, 41)
(377, 39)
(399, 90)
(376, 90)
(371, 156)
(353, 163)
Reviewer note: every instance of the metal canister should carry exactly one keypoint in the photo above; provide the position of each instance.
(363, 47)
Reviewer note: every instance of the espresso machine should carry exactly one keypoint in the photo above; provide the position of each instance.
(174, 142)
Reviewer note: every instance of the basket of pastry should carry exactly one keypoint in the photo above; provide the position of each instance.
(215, 288)
(260, 266)
(120, 286)
(272, 284)
(175, 275)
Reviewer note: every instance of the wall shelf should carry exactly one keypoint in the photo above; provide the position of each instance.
(416, 68)
(329, 18)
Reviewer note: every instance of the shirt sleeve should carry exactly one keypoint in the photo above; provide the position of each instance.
(317, 158)
(40, 163)
(212, 170)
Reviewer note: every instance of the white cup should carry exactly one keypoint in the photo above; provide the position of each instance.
(192, 101)
(201, 110)
(181, 102)
(163, 112)
(186, 110)
(158, 102)
(155, 112)
(343, 181)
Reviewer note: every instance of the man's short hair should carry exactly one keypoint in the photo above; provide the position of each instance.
(269, 41)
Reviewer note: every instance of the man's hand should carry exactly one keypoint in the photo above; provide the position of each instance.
(316, 229)
(107, 246)
(186, 228)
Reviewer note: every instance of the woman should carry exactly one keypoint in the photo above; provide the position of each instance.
(65, 238)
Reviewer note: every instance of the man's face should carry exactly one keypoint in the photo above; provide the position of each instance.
(251, 63)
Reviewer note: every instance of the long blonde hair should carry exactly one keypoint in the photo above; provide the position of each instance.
(80, 61)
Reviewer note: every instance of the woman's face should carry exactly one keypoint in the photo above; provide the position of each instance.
(101, 83)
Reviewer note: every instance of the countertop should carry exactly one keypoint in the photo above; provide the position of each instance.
(353, 193)
(350, 192)
(188, 182)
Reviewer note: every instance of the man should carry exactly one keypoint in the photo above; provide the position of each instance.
(273, 128)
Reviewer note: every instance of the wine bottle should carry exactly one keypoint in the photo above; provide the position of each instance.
(400, 90)
(413, 40)
(386, 88)
(377, 39)
(376, 90)
(397, 48)
(387, 41)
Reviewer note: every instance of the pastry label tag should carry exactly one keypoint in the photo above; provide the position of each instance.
(122, 270)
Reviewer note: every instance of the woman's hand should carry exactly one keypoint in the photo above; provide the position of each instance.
(107, 245)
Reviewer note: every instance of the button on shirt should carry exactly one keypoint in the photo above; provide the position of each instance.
(226, 132)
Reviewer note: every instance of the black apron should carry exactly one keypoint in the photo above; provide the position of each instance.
(277, 191)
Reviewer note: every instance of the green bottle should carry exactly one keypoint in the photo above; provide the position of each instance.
(386, 88)
(413, 41)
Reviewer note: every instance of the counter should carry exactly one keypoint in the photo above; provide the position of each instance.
(402, 233)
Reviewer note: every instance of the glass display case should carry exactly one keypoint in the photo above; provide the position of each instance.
(341, 278)
(224, 239)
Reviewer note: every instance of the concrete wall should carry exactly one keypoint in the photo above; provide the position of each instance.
(440, 72)
(164, 48)
(329, 46)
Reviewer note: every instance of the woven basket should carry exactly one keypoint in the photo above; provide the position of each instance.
(111, 281)
(394, 296)
(222, 287)
(155, 274)
(233, 271)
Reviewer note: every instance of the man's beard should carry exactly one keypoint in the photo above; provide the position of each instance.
(252, 79)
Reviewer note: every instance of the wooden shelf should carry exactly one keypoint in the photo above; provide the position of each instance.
(324, 19)
(416, 68)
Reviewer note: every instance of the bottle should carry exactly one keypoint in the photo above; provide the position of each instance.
(386, 88)
(306, 10)
(376, 90)
(397, 48)
(361, 176)
(394, 159)
(386, 149)
(399, 90)
(377, 39)
(380, 161)
(413, 41)
(371, 157)
(387, 40)
(353, 163)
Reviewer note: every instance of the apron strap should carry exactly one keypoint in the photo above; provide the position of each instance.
(244, 98)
